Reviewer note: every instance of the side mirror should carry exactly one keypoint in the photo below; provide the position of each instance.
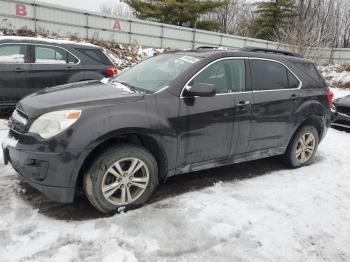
(200, 89)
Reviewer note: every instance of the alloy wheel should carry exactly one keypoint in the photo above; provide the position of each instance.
(305, 147)
(125, 181)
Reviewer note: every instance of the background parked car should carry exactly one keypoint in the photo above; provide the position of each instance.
(341, 118)
(29, 64)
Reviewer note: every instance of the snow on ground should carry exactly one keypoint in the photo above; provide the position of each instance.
(255, 211)
(3, 133)
(125, 56)
(336, 75)
(51, 40)
(340, 92)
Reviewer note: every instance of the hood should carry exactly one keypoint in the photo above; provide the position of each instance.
(89, 93)
(343, 101)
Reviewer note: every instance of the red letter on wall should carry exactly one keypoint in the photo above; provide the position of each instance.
(21, 10)
(117, 26)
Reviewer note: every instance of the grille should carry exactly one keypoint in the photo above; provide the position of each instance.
(342, 123)
(343, 109)
(22, 114)
(18, 123)
(14, 134)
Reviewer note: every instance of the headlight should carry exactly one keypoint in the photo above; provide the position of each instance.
(53, 123)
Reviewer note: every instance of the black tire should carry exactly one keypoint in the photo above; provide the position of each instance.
(290, 157)
(95, 178)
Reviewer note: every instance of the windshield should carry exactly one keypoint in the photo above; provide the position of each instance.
(155, 73)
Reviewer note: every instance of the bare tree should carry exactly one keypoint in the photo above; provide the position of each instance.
(319, 23)
(234, 17)
(116, 8)
(344, 36)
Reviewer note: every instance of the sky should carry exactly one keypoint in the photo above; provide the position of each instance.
(90, 5)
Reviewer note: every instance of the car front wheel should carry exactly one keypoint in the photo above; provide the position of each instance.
(121, 178)
(302, 147)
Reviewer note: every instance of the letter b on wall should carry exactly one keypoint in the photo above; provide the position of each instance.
(21, 10)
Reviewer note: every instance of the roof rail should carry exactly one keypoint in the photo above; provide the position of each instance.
(207, 47)
(217, 48)
(270, 51)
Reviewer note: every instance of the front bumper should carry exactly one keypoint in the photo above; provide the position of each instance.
(340, 120)
(44, 171)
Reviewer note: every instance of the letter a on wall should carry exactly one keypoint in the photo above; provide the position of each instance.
(21, 10)
(117, 26)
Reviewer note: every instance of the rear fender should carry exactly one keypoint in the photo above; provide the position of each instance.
(92, 75)
(77, 77)
(315, 113)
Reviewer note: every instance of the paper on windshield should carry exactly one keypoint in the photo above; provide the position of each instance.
(189, 59)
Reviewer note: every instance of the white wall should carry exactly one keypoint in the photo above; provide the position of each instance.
(67, 21)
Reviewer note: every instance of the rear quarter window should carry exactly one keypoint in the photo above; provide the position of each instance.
(311, 71)
(96, 56)
(50, 55)
(53, 55)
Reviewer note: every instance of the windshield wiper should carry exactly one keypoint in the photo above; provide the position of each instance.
(134, 88)
(131, 87)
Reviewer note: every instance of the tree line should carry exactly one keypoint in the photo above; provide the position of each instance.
(298, 23)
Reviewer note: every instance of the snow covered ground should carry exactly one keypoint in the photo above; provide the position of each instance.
(255, 211)
(340, 92)
(336, 75)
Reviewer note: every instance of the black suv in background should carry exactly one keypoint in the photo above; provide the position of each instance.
(171, 114)
(341, 117)
(29, 64)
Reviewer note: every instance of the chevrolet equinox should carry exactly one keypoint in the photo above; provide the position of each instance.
(171, 114)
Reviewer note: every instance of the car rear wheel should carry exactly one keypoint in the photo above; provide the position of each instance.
(302, 147)
(120, 179)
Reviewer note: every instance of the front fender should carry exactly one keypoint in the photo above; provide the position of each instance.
(99, 126)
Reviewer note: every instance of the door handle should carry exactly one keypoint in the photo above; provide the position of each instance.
(19, 70)
(242, 105)
(69, 68)
(294, 97)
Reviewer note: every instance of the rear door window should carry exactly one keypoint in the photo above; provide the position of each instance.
(270, 75)
(53, 55)
(12, 54)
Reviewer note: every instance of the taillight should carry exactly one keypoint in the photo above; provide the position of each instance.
(111, 71)
(330, 96)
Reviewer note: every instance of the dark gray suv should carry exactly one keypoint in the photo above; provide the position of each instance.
(171, 114)
(29, 64)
